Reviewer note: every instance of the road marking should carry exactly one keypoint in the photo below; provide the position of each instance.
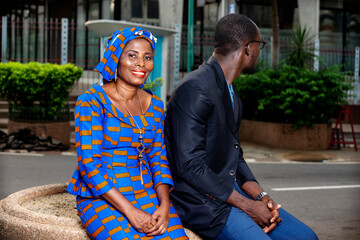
(68, 153)
(22, 154)
(250, 160)
(303, 163)
(315, 188)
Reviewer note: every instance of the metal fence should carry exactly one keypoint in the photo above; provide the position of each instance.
(43, 41)
(328, 52)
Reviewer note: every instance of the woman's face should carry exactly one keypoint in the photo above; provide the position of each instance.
(136, 62)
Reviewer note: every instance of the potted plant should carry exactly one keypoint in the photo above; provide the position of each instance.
(37, 95)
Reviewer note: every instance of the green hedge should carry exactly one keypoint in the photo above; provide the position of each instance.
(292, 95)
(37, 84)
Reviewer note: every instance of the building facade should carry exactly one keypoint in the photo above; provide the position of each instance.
(34, 27)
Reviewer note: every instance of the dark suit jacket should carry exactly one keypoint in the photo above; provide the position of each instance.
(204, 152)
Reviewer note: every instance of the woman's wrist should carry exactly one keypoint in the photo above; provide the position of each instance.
(165, 204)
(118, 201)
(162, 192)
(128, 209)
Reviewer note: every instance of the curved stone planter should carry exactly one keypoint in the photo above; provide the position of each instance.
(43, 213)
(279, 135)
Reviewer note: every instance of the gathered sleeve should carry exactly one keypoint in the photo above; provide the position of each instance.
(89, 137)
(159, 165)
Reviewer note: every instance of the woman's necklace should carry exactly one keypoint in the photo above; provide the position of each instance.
(140, 147)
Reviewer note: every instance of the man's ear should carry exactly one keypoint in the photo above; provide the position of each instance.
(246, 50)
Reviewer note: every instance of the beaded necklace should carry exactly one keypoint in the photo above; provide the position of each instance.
(140, 147)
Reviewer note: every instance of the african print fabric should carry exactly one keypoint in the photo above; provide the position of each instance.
(106, 142)
(105, 222)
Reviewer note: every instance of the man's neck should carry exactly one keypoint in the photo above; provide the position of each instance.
(229, 65)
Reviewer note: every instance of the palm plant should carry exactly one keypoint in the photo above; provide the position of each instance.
(301, 51)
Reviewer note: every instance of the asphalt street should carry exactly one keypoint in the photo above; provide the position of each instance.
(20, 171)
(323, 195)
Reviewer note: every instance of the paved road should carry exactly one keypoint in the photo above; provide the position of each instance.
(333, 213)
(23, 171)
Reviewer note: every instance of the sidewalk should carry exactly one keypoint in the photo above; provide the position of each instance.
(258, 153)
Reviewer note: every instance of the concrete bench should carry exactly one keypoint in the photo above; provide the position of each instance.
(44, 213)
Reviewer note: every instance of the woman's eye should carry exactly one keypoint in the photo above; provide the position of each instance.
(148, 57)
(132, 55)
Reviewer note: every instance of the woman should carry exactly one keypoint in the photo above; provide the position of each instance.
(122, 179)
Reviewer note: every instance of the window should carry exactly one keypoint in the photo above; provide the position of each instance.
(136, 9)
(145, 11)
(153, 9)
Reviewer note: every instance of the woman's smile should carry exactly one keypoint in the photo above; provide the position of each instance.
(138, 73)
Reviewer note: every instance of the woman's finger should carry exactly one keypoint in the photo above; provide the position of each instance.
(159, 231)
(151, 223)
(154, 228)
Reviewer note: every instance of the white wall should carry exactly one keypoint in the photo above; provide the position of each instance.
(309, 15)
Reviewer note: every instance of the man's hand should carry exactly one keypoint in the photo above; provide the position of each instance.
(259, 212)
(161, 215)
(264, 212)
(274, 211)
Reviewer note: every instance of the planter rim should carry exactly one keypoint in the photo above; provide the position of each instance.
(18, 222)
(283, 135)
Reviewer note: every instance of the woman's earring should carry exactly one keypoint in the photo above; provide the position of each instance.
(115, 74)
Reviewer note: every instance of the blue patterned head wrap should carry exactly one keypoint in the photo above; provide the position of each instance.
(116, 44)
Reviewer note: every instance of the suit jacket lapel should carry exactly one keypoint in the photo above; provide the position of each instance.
(237, 109)
(225, 96)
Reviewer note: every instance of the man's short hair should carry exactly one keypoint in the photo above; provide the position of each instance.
(232, 31)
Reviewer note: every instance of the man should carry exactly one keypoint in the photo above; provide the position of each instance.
(215, 193)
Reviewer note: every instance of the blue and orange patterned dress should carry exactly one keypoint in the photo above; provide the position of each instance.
(106, 142)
